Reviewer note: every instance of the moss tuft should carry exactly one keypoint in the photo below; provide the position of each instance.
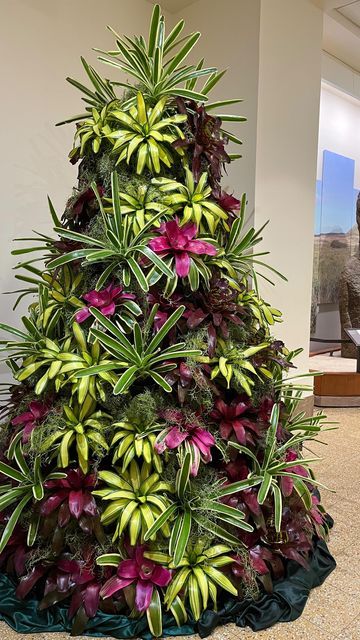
(143, 408)
(52, 423)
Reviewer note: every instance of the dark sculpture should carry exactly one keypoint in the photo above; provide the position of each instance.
(349, 296)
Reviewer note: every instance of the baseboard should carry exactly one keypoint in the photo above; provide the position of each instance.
(337, 401)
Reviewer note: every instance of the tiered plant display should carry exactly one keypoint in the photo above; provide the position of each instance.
(152, 459)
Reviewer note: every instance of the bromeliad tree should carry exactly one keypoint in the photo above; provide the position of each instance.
(152, 453)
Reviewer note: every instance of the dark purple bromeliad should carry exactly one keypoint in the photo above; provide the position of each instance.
(152, 451)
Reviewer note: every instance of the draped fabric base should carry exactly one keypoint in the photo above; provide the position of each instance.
(286, 603)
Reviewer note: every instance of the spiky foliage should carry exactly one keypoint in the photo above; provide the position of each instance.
(83, 427)
(135, 498)
(92, 131)
(152, 431)
(201, 576)
(140, 202)
(194, 200)
(145, 133)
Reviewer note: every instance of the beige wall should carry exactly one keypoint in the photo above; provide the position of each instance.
(287, 133)
(41, 42)
(340, 75)
(230, 40)
(273, 51)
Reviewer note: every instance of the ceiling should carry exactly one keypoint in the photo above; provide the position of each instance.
(173, 6)
(341, 34)
(330, 5)
(351, 12)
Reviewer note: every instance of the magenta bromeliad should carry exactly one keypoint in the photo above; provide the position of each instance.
(152, 458)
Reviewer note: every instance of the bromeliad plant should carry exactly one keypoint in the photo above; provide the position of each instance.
(120, 249)
(184, 249)
(194, 200)
(29, 486)
(139, 203)
(152, 456)
(234, 365)
(61, 360)
(137, 497)
(282, 470)
(191, 507)
(144, 132)
(146, 575)
(93, 130)
(57, 294)
(200, 576)
(82, 426)
(136, 439)
(237, 259)
(139, 359)
(109, 301)
(149, 63)
(186, 433)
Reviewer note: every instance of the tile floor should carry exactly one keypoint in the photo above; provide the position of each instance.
(333, 610)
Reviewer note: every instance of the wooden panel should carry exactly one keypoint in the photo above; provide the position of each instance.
(337, 384)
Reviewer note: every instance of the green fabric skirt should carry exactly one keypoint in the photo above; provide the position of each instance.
(286, 603)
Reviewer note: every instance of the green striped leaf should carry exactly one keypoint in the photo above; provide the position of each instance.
(167, 326)
(12, 522)
(12, 473)
(183, 475)
(160, 381)
(183, 537)
(278, 506)
(154, 26)
(160, 521)
(234, 487)
(220, 579)
(264, 488)
(154, 614)
(109, 559)
(179, 612)
(125, 380)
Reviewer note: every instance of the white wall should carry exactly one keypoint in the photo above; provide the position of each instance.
(230, 40)
(288, 111)
(41, 42)
(339, 127)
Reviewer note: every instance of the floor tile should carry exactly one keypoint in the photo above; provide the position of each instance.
(6, 633)
(350, 633)
(331, 609)
(343, 536)
(349, 560)
(301, 629)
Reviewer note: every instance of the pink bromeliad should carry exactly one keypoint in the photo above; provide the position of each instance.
(181, 243)
(182, 430)
(31, 418)
(232, 421)
(146, 575)
(105, 300)
(287, 483)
